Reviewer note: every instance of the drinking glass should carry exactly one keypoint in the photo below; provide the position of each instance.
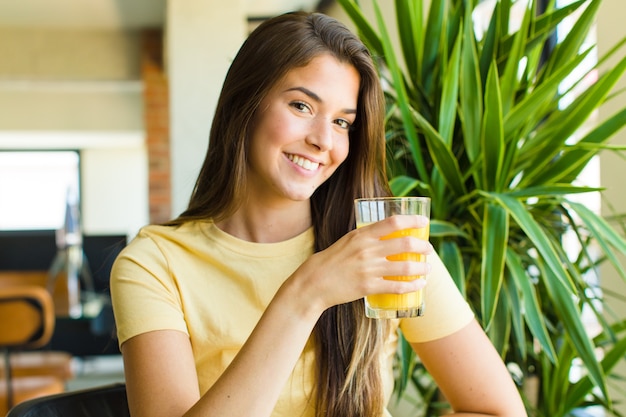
(370, 210)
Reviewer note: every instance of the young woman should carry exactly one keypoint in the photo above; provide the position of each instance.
(250, 302)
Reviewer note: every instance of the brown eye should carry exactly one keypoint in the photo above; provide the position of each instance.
(301, 106)
(343, 123)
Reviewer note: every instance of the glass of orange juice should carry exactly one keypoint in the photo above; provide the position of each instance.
(370, 210)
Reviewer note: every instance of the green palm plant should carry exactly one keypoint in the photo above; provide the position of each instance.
(478, 122)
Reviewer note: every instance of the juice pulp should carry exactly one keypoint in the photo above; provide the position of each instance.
(406, 301)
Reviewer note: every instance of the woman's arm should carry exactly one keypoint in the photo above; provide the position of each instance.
(471, 374)
(161, 376)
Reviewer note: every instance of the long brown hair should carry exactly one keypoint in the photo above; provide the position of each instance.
(348, 344)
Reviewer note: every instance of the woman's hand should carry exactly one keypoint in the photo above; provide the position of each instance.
(355, 265)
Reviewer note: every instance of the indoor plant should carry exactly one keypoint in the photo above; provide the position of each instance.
(477, 121)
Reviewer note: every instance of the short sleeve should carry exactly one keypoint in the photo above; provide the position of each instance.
(143, 292)
(445, 309)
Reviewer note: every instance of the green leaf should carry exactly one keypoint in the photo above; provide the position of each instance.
(434, 31)
(570, 316)
(366, 31)
(506, 16)
(541, 242)
(577, 34)
(532, 310)
(564, 124)
(409, 20)
(604, 235)
(443, 157)
(450, 94)
(441, 228)
(495, 238)
(516, 317)
(525, 111)
(492, 134)
(403, 101)
(402, 185)
(576, 157)
(551, 190)
(541, 29)
(509, 81)
(559, 378)
(581, 108)
(546, 24)
(583, 387)
(470, 94)
(488, 52)
(499, 330)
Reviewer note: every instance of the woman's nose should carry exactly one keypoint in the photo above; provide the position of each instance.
(320, 135)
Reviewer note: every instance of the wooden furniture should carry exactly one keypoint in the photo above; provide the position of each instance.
(36, 363)
(40, 362)
(91, 334)
(39, 279)
(26, 323)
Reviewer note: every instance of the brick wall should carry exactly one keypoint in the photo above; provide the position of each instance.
(156, 119)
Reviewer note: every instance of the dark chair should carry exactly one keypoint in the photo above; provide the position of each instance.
(104, 401)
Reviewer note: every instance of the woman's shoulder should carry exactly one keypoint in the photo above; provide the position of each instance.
(172, 231)
(157, 236)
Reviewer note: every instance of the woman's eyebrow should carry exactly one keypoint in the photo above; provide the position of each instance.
(317, 98)
(307, 92)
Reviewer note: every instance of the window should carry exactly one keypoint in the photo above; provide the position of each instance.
(35, 187)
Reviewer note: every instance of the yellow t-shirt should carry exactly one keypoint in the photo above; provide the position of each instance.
(214, 287)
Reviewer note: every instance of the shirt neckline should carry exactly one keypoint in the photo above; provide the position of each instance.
(294, 245)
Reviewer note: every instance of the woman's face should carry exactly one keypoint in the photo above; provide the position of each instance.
(300, 134)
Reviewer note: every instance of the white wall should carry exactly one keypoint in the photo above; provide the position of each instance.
(201, 42)
(611, 28)
(71, 106)
(114, 194)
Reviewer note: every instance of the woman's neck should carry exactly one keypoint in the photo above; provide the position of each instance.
(268, 225)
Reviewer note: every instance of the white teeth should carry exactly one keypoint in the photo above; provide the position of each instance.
(304, 163)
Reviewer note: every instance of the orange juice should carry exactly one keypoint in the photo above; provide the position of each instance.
(412, 302)
(371, 210)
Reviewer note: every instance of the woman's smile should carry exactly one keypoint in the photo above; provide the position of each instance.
(303, 162)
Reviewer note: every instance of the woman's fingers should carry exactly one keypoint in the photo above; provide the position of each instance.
(366, 261)
(394, 236)
(389, 286)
